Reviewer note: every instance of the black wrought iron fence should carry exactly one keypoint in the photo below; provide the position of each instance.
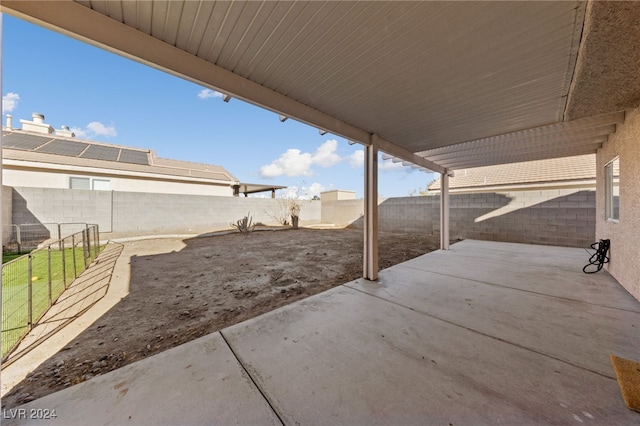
(33, 282)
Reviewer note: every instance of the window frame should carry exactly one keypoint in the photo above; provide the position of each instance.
(93, 184)
(611, 182)
(90, 183)
(79, 179)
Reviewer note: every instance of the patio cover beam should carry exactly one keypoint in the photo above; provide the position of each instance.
(543, 143)
(457, 164)
(585, 127)
(515, 151)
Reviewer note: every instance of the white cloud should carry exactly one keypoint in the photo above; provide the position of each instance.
(93, 129)
(302, 192)
(10, 102)
(294, 162)
(80, 133)
(357, 159)
(208, 93)
(100, 129)
(314, 189)
(290, 192)
(325, 155)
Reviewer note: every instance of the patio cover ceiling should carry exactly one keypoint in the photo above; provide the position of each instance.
(443, 85)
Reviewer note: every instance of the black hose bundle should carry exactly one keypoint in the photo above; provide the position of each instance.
(599, 258)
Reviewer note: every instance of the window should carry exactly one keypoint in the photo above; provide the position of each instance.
(90, 183)
(101, 184)
(79, 183)
(612, 189)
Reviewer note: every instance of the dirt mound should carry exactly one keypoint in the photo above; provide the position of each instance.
(210, 284)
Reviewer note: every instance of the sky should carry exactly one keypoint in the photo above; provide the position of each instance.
(108, 98)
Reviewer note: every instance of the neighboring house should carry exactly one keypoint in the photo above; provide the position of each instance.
(577, 173)
(39, 156)
(51, 177)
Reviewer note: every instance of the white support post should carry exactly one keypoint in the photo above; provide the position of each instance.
(370, 255)
(444, 211)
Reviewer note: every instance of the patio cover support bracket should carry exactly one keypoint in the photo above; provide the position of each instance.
(444, 212)
(370, 255)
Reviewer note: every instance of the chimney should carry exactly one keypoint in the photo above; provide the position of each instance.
(9, 121)
(64, 131)
(37, 125)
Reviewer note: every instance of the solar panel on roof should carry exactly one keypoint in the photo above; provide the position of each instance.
(98, 152)
(23, 142)
(61, 147)
(133, 157)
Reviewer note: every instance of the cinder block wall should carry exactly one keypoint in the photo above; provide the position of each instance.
(121, 214)
(7, 202)
(554, 217)
(142, 214)
(48, 205)
(343, 212)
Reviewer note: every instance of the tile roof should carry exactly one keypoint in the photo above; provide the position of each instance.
(566, 169)
(23, 146)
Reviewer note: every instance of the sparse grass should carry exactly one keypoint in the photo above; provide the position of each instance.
(15, 288)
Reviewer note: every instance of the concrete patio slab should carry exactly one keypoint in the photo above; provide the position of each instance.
(197, 383)
(554, 271)
(344, 357)
(577, 333)
(487, 333)
(531, 254)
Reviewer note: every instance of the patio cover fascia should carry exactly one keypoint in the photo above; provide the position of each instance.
(255, 188)
(529, 142)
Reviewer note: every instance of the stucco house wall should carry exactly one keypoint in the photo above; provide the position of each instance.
(625, 233)
(60, 180)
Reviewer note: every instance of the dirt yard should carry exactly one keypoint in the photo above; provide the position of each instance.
(206, 285)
